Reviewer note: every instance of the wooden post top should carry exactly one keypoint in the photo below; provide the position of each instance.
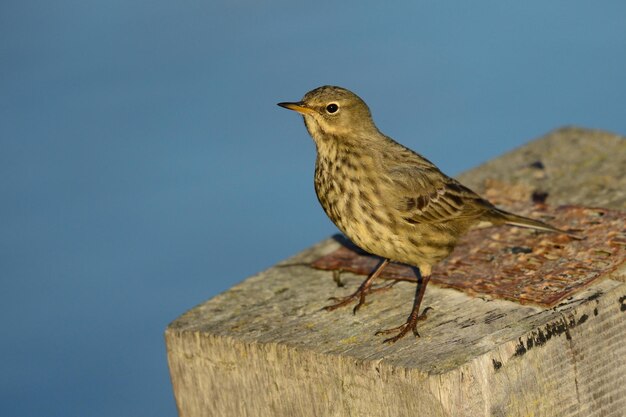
(267, 339)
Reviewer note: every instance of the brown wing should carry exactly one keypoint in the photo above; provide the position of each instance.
(426, 195)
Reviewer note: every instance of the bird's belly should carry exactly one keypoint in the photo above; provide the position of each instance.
(379, 230)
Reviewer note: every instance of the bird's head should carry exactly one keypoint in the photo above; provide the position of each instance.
(334, 112)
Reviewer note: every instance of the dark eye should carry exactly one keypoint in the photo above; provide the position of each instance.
(332, 108)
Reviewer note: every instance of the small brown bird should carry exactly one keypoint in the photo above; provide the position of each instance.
(386, 198)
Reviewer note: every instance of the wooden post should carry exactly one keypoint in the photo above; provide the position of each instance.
(264, 347)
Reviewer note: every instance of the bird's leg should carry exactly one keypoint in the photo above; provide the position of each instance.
(364, 289)
(414, 317)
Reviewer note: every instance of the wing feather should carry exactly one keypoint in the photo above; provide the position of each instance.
(426, 195)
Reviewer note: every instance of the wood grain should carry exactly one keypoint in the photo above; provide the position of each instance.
(265, 348)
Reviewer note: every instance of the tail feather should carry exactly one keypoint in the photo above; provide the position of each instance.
(521, 221)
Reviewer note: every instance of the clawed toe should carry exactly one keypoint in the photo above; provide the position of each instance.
(357, 295)
(340, 302)
(343, 301)
(364, 289)
(403, 329)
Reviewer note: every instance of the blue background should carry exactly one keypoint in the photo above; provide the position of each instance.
(144, 165)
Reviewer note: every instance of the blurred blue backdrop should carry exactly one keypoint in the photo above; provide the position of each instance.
(145, 166)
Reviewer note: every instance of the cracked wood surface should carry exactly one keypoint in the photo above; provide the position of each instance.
(265, 348)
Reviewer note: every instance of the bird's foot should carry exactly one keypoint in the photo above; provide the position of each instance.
(403, 329)
(358, 294)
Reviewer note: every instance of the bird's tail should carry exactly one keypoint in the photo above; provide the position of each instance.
(504, 217)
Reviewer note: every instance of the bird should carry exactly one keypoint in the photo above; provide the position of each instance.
(388, 199)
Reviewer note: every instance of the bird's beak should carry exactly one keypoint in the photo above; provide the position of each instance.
(299, 107)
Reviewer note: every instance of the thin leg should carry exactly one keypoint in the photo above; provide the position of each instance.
(364, 289)
(414, 317)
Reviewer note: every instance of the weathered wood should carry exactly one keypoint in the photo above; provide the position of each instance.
(264, 348)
